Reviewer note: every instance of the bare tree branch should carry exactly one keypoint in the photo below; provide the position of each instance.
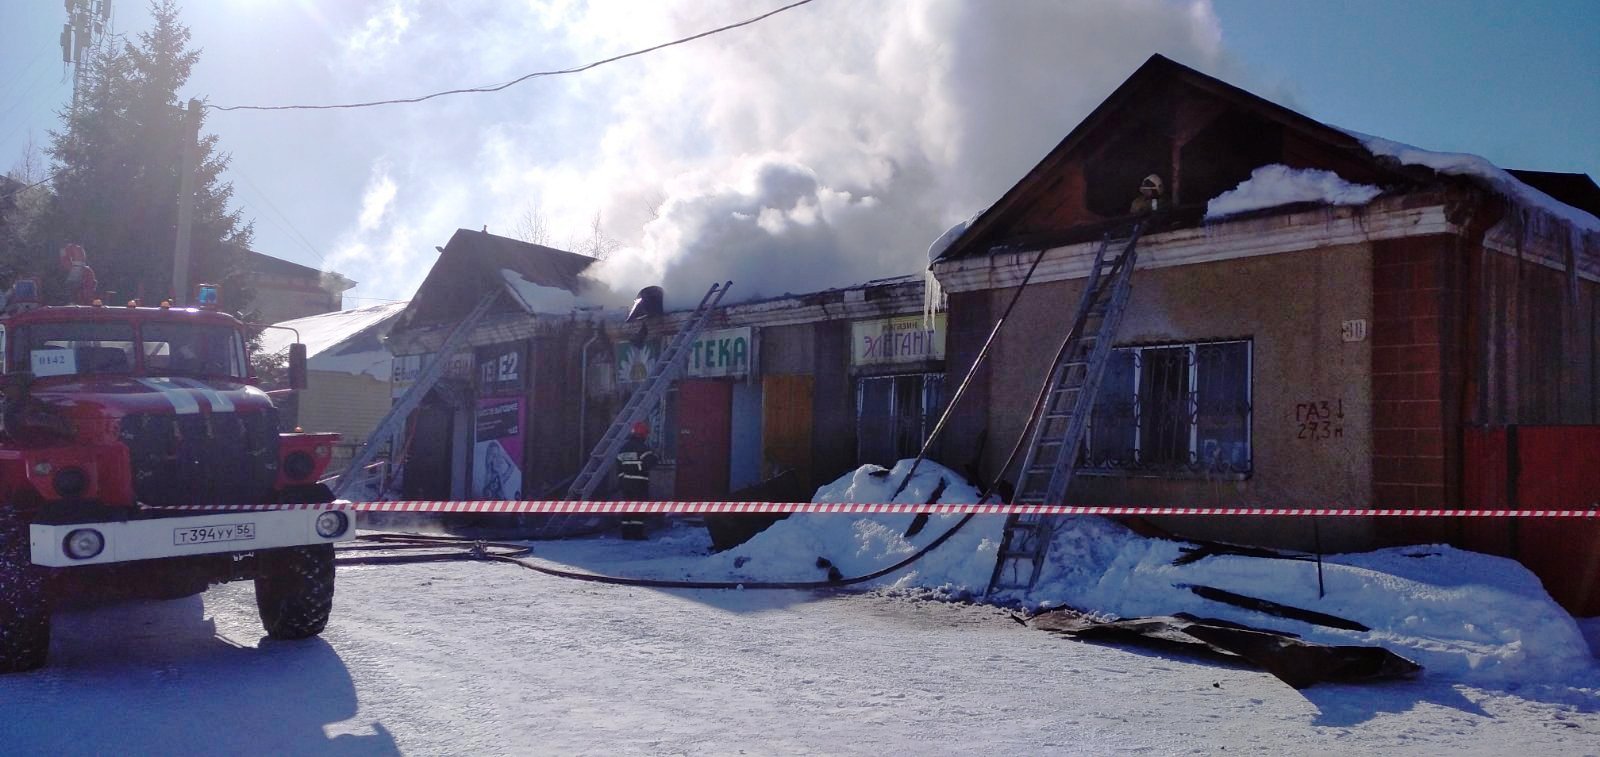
(532, 226)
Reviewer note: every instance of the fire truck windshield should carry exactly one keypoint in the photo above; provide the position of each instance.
(192, 349)
(94, 348)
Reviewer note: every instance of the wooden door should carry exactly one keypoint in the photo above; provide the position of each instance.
(704, 419)
(428, 459)
(786, 424)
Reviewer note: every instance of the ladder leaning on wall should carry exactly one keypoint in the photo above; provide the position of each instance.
(1063, 415)
(389, 428)
(646, 397)
(638, 407)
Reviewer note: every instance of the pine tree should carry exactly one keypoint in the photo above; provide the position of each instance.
(118, 161)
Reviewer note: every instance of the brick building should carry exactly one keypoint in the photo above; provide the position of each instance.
(1343, 348)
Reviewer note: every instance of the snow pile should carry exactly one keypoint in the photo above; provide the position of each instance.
(537, 298)
(1464, 164)
(1591, 632)
(858, 545)
(1460, 614)
(326, 337)
(1276, 184)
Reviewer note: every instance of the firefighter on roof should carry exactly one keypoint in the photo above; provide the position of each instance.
(633, 476)
(81, 284)
(1149, 199)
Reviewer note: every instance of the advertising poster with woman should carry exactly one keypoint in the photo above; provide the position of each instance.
(497, 449)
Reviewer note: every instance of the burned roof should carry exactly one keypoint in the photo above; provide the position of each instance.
(1203, 137)
(471, 264)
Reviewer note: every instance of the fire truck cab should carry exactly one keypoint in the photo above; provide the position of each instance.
(133, 443)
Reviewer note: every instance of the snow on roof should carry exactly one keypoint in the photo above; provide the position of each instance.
(326, 337)
(950, 236)
(537, 298)
(1277, 184)
(1465, 164)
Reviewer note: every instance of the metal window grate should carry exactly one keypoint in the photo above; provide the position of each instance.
(1176, 409)
(895, 414)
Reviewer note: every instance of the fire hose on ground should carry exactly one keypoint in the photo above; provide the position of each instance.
(461, 548)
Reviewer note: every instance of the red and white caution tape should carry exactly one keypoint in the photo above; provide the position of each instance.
(563, 507)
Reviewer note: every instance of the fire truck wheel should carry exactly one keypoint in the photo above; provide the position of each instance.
(294, 590)
(24, 603)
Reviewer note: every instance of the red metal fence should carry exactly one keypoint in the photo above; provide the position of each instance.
(1538, 467)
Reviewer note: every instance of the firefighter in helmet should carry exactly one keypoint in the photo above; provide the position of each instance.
(633, 476)
(1149, 199)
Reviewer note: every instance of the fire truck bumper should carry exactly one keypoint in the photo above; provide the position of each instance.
(67, 545)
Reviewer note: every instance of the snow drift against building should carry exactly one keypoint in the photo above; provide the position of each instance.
(788, 551)
(1276, 184)
(1462, 615)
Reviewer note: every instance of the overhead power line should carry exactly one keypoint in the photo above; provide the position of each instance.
(520, 79)
(20, 190)
(288, 227)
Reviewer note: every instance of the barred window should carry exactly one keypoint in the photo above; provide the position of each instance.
(1179, 409)
(894, 415)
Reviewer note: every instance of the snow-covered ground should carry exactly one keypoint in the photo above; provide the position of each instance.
(491, 658)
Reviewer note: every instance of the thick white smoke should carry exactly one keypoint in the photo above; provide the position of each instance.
(824, 147)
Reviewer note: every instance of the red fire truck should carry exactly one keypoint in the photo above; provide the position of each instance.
(129, 437)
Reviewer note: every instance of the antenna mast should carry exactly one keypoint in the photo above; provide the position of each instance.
(87, 22)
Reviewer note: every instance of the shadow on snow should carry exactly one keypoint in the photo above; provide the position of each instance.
(153, 677)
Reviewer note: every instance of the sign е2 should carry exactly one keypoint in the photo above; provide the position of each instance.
(501, 368)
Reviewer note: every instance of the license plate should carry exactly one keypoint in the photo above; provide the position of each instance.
(209, 534)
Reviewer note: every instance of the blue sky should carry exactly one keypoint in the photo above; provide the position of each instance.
(827, 145)
(1515, 82)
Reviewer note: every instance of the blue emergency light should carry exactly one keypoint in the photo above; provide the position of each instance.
(25, 290)
(207, 296)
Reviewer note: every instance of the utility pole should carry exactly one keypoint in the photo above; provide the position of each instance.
(189, 143)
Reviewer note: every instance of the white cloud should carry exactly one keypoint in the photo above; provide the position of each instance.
(369, 46)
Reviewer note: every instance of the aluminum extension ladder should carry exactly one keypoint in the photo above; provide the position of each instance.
(389, 428)
(1063, 416)
(646, 397)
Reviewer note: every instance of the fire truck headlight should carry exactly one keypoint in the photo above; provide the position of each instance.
(84, 543)
(332, 524)
(298, 466)
(70, 483)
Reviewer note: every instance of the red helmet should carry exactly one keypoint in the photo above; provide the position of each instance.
(640, 428)
(73, 255)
